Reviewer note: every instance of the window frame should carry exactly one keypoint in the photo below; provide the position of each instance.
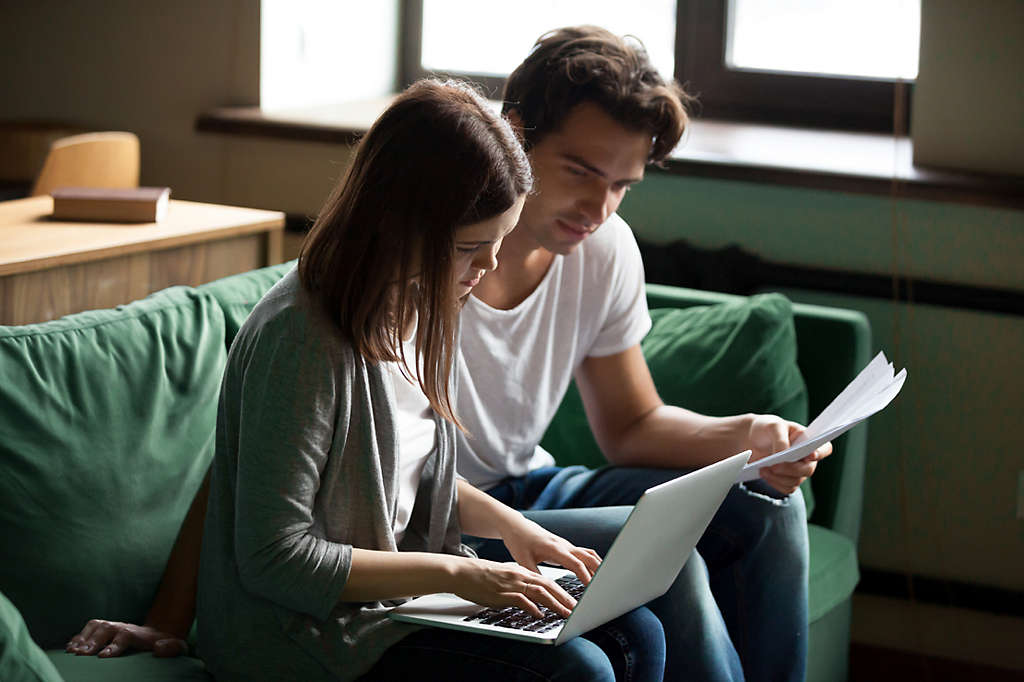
(724, 93)
(773, 97)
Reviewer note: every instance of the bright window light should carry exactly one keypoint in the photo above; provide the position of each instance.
(470, 36)
(316, 52)
(866, 38)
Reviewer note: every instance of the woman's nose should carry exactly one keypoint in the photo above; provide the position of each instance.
(487, 259)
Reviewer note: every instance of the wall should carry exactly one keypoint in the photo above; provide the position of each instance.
(151, 68)
(968, 106)
(950, 433)
(943, 460)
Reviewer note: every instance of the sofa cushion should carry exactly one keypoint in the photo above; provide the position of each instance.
(106, 430)
(237, 294)
(136, 667)
(21, 660)
(722, 359)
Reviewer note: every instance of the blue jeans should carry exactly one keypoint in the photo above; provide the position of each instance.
(738, 608)
(629, 648)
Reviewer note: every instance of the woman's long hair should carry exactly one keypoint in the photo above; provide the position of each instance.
(382, 250)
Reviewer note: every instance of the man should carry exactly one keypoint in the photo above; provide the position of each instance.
(567, 300)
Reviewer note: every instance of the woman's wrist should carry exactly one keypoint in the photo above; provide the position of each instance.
(451, 572)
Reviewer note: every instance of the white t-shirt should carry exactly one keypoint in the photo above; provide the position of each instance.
(414, 419)
(517, 364)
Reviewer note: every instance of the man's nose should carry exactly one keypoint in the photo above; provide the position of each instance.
(596, 206)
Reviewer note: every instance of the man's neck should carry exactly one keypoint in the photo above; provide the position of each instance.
(522, 264)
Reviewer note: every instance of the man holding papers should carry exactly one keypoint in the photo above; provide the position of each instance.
(868, 393)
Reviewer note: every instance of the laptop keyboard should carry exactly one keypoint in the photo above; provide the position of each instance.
(517, 619)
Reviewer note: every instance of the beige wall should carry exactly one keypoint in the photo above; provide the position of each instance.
(152, 68)
(969, 98)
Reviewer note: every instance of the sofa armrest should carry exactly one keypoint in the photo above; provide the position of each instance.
(834, 344)
(20, 657)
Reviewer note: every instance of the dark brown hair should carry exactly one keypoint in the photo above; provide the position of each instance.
(437, 159)
(578, 64)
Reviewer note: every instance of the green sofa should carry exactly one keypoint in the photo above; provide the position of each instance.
(106, 430)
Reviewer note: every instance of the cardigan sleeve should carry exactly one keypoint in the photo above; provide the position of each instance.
(292, 394)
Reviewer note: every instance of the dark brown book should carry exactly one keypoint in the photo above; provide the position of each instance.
(103, 204)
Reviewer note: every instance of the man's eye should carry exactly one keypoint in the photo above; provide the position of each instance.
(576, 171)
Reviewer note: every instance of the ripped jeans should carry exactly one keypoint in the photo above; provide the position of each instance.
(738, 609)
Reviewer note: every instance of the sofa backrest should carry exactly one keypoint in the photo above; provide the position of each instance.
(238, 294)
(107, 423)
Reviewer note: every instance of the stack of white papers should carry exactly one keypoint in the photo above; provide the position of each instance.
(871, 390)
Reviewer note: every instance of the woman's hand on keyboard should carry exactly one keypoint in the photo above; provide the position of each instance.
(530, 545)
(495, 584)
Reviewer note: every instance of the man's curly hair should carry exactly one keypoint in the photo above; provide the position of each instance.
(578, 64)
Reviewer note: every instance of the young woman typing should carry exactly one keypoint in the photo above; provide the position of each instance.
(333, 489)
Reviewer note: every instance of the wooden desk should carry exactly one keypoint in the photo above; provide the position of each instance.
(50, 268)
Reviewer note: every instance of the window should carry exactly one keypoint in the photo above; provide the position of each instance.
(866, 39)
(458, 37)
(311, 54)
(825, 63)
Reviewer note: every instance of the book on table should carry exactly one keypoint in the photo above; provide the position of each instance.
(868, 393)
(116, 205)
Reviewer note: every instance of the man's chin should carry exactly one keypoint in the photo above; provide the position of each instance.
(565, 248)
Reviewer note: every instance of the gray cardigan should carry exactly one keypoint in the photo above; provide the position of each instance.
(305, 469)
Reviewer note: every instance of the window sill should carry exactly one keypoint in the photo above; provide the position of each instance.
(865, 163)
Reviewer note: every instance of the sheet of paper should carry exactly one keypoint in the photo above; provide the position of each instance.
(870, 392)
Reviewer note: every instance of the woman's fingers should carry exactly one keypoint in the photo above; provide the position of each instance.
(581, 561)
(520, 600)
(589, 557)
(551, 596)
(539, 591)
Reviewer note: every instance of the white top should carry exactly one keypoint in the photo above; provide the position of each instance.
(414, 420)
(517, 364)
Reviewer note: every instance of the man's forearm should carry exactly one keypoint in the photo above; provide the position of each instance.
(674, 437)
(174, 606)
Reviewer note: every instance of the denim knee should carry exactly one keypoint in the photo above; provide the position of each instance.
(581, 660)
(634, 644)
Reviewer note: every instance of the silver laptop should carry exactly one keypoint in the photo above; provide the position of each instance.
(641, 565)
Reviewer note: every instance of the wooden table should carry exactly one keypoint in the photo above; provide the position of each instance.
(50, 268)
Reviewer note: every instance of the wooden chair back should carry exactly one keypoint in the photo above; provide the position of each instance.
(107, 159)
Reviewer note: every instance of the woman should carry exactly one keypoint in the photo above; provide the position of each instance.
(333, 488)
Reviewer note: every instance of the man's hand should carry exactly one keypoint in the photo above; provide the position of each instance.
(530, 544)
(769, 434)
(106, 639)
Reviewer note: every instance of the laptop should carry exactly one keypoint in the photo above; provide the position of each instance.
(647, 555)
